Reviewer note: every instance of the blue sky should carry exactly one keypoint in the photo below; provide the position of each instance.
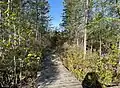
(56, 8)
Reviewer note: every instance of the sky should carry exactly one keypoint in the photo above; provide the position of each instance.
(56, 8)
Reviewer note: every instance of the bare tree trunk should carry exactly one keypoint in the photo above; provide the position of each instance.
(77, 42)
(8, 14)
(8, 7)
(15, 75)
(14, 58)
(20, 74)
(36, 21)
(21, 65)
(76, 38)
(85, 42)
(37, 33)
(2, 37)
(3, 57)
(91, 49)
(85, 30)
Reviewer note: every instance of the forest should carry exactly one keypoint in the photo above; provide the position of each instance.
(87, 40)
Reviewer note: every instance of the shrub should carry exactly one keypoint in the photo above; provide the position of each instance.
(104, 66)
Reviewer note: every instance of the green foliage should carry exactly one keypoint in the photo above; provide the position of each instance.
(102, 36)
(24, 34)
(32, 62)
(103, 66)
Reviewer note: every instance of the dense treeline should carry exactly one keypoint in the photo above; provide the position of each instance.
(93, 38)
(24, 33)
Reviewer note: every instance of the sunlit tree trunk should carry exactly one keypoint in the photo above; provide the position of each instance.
(14, 46)
(91, 48)
(36, 20)
(76, 38)
(77, 42)
(20, 75)
(85, 30)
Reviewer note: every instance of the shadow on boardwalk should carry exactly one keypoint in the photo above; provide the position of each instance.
(49, 71)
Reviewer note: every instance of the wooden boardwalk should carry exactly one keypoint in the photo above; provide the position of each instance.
(55, 75)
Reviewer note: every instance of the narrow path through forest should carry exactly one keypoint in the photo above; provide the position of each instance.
(55, 75)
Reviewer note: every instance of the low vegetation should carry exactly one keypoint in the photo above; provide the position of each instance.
(107, 66)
